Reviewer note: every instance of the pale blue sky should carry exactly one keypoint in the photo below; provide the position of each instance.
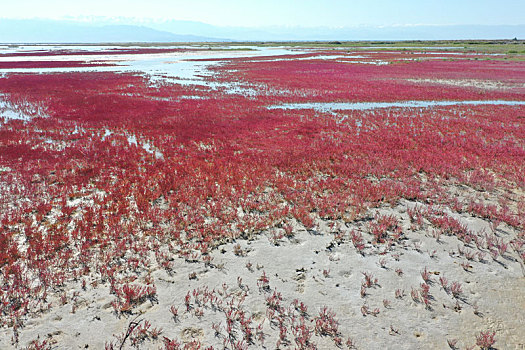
(257, 13)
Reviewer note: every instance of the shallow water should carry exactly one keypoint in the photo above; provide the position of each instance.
(183, 67)
(8, 112)
(176, 67)
(333, 106)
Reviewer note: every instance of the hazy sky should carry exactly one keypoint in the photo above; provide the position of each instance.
(333, 13)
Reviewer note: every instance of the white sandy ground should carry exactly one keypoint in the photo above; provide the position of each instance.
(481, 84)
(493, 292)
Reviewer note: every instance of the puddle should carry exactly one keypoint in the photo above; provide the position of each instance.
(8, 111)
(309, 58)
(332, 106)
(374, 62)
(146, 146)
(132, 140)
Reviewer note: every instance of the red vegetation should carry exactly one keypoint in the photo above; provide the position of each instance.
(486, 339)
(120, 167)
(359, 79)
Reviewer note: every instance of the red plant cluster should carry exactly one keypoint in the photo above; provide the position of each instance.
(131, 295)
(354, 80)
(486, 339)
(119, 167)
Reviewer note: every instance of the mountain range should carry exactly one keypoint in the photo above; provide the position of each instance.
(52, 31)
(131, 30)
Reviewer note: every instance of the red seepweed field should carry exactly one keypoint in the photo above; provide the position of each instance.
(324, 199)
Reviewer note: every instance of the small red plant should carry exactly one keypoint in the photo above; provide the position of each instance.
(326, 324)
(485, 339)
(455, 289)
